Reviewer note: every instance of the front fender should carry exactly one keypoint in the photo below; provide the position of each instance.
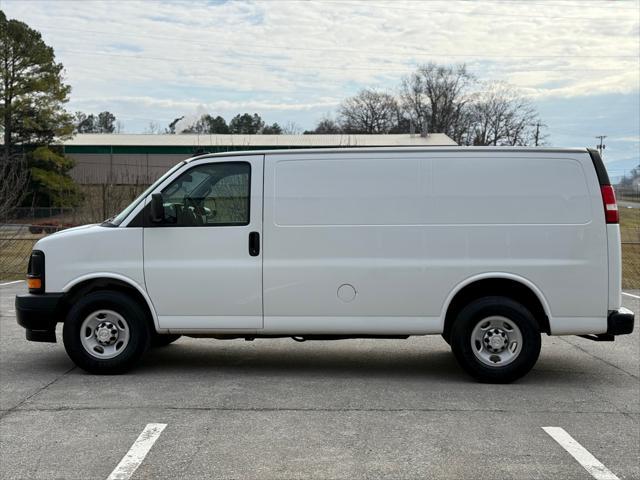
(122, 278)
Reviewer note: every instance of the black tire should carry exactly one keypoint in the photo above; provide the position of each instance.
(162, 340)
(483, 308)
(138, 332)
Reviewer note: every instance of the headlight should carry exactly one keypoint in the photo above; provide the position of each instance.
(35, 272)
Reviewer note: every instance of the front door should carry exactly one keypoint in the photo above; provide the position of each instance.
(203, 263)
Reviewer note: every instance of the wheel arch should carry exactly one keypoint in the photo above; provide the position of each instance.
(498, 283)
(110, 281)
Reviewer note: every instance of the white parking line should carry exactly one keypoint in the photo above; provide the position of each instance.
(581, 454)
(134, 457)
(11, 283)
(631, 295)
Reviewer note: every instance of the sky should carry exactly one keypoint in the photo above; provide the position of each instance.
(294, 61)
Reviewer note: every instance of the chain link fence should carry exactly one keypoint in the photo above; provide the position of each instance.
(26, 225)
(20, 232)
(631, 266)
(16, 242)
(32, 214)
(630, 237)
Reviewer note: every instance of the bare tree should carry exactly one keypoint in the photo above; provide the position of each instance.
(443, 99)
(435, 98)
(153, 128)
(291, 128)
(13, 188)
(326, 126)
(104, 199)
(501, 116)
(369, 112)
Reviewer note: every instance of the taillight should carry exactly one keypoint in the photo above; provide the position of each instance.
(610, 205)
(35, 272)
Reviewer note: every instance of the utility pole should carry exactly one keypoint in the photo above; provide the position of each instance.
(537, 136)
(601, 146)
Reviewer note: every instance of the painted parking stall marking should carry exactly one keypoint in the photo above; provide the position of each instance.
(11, 283)
(590, 463)
(631, 295)
(138, 451)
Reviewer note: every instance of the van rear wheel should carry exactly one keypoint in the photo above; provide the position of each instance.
(495, 339)
(106, 333)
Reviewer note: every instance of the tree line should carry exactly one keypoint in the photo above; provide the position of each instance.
(103, 122)
(442, 99)
(433, 99)
(246, 124)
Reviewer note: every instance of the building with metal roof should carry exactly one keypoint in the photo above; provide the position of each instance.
(140, 159)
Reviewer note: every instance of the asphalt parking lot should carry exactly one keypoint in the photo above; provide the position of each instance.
(272, 409)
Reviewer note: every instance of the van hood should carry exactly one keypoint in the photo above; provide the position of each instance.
(66, 233)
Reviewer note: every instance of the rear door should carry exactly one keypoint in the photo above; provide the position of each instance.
(203, 264)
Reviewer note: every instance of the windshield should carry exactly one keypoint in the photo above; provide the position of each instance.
(118, 219)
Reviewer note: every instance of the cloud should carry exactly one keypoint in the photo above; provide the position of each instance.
(164, 58)
(124, 47)
(219, 105)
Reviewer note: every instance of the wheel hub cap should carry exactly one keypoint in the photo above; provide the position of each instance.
(106, 333)
(495, 340)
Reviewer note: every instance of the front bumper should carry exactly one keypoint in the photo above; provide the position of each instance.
(620, 322)
(39, 314)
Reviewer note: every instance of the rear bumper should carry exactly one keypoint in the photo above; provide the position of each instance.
(39, 314)
(620, 322)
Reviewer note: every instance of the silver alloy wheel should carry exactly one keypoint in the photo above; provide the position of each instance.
(496, 341)
(104, 334)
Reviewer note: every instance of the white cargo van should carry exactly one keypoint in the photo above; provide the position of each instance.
(488, 247)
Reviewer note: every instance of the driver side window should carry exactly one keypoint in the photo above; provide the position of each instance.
(215, 194)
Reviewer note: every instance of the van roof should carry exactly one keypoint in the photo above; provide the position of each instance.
(392, 149)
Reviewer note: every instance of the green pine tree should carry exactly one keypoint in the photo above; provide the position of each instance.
(32, 113)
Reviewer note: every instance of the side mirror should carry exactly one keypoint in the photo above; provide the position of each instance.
(157, 208)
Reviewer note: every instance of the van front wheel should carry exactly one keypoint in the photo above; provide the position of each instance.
(106, 333)
(495, 339)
